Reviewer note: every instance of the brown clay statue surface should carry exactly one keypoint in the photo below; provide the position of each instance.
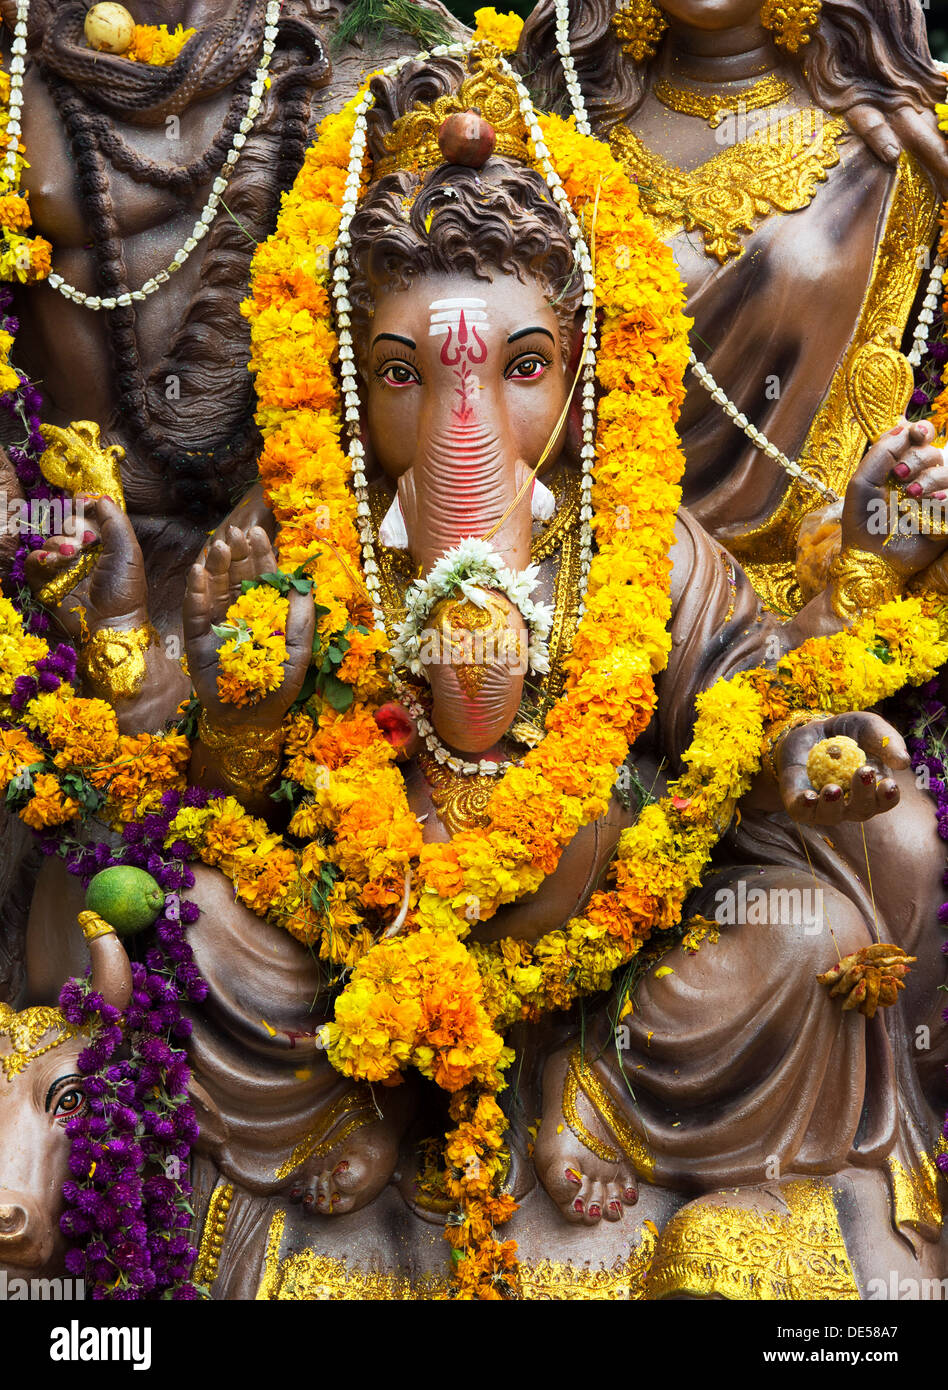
(533, 917)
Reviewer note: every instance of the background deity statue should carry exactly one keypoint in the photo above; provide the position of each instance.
(122, 158)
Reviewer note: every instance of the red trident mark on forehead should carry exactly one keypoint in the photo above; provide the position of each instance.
(464, 348)
(460, 320)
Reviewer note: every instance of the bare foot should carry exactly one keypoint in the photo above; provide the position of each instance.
(362, 1160)
(586, 1186)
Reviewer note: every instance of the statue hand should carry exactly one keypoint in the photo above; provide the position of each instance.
(903, 457)
(888, 134)
(213, 585)
(115, 592)
(872, 791)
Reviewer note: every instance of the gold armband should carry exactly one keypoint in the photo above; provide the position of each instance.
(52, 594)
(93, 925)
(249, 758)
(861, 581)
(113, 662)
(778, 732)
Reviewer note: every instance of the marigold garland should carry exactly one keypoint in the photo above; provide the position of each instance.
(22, 258)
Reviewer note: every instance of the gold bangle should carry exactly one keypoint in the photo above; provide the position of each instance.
(94, 926)
(778, 732)
(249, 758)
(862, 581)
(52, 594)
(113, 663)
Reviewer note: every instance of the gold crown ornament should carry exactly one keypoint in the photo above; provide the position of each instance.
(25, 1031)
(639, 26)
(443, 132)
(791, 21)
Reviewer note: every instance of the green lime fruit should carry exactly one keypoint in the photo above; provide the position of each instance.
(125, 897)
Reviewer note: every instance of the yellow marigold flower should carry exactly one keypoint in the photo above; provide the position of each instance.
(48, 805)
(250, 663)
(156, 44)
(501, 29)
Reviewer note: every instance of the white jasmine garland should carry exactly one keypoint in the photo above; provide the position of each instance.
(208, 213)
(471, 568)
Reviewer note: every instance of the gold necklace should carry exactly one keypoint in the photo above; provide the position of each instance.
(776, 171)
(714, 106)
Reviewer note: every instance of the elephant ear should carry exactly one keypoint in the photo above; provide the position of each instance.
(213, 1126)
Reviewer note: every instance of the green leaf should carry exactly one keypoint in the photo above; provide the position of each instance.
(337, 693)
(321, 889)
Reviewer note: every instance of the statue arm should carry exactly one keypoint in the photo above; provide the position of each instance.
(720, 628)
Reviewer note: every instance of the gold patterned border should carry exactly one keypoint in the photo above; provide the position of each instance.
(738, 1253)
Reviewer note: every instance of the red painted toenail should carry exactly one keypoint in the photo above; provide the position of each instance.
(342, 1167)
(615, 1206)
(573, 1176)
(630, 1195)
(578, 1204)
(595, 1210)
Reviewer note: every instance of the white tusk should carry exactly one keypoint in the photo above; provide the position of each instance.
(399, 922)
(392, 531)
(543, 503)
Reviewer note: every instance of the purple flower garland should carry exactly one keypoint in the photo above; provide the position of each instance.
(128, 1212)
(128, 1215)
(927, 743)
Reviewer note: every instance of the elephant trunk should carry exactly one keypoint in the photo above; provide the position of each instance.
(464, 485)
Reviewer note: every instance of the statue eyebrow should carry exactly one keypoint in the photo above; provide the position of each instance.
(394, 338)
(525, 332)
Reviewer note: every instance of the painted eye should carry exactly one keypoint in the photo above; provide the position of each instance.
(398, 374)
(69, 1103)
(527, 368)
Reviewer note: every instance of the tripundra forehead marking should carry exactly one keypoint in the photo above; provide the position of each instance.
(25, 1029)
(446, 315)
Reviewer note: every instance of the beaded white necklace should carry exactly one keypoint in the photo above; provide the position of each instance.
(203, 224)
(484, 767)
(718, 395)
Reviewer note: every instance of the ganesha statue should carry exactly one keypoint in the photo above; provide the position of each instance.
(491, 873)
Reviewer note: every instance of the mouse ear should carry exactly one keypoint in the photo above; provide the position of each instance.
(466, 138)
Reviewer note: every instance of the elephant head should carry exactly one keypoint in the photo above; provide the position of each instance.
(465, 300)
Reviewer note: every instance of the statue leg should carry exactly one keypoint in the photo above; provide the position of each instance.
(288, 1120)
(362, 1162)
(734, 1066)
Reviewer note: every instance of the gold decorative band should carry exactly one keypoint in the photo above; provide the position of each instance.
(580, 1076)
(354, 1109)
(776, 734)
(94, 926)
(53, 593)
(212, 1237)
(714, 106)
(248, 757)
(861, 581)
